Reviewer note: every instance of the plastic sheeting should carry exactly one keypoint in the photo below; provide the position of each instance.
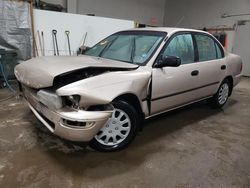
(15, 28)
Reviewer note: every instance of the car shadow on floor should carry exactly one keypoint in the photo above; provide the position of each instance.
(92, 164)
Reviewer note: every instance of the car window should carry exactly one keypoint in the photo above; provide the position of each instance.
(134, 47)
(144, 46)
(181, 46)
(206, 48)
(219, 51)
(131, 48)
(120, 49)
(98, 48)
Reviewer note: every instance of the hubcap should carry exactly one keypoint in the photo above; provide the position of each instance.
(223, 93)
(116, 130)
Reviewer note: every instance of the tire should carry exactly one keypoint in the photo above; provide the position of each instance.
(115, 134)
(222, 95)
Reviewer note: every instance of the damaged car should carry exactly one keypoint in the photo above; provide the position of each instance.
(103, 96)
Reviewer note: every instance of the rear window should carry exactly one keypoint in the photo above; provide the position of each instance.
(208, 49)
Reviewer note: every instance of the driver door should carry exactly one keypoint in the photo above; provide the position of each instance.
(175, 86)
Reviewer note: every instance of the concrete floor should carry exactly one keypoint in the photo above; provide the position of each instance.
(192, 147)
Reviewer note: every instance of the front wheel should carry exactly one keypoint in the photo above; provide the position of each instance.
(221, 97)
(120, 129)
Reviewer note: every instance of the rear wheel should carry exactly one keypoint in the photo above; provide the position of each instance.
(221, 97)
(120, 129)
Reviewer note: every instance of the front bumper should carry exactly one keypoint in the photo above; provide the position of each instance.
(55, 120)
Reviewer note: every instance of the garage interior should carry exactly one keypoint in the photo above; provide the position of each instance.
(195, 146)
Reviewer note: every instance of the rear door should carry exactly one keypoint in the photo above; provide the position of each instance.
(211, 64)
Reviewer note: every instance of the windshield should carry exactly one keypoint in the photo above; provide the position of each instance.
(134, 47)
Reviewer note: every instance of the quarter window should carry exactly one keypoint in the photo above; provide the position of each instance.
(208, 49)
(181, 46)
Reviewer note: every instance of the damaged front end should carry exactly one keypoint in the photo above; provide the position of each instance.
(74, 101)
(76, 75)
(64, 114)
(64, 119)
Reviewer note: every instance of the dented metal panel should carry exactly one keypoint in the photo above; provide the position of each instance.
(40, 72)
(105, 88)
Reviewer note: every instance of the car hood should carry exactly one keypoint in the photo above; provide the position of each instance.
(41, 72)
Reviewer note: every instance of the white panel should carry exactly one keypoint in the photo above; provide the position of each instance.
(96, 27)
(242, 42)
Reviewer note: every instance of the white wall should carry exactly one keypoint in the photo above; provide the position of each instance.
(199, 13)
(97, 28)
(138, 10)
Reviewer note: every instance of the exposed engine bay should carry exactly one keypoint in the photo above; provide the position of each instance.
(80, 74)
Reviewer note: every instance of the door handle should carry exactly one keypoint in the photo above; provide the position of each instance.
(195, 73)
(223, 67)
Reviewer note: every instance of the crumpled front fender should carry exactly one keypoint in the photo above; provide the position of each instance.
(104, 88)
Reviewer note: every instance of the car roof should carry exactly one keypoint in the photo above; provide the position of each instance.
(169, 30)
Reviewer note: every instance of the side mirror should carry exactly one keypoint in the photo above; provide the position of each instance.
(168, 61)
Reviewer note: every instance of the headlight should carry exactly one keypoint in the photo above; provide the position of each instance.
(72, 101)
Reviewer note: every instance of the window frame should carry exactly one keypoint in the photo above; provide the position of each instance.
(170, 39)
(216, 42)
(196, 52)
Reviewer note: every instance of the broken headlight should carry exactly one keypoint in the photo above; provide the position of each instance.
(72, 101)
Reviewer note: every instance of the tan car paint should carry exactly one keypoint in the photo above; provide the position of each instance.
(104, 88)
(40, 72)
(169, 81)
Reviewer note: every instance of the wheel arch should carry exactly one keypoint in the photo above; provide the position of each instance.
(231, 82)
(133, 100)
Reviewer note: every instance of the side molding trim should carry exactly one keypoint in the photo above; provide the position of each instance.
(181, 92)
